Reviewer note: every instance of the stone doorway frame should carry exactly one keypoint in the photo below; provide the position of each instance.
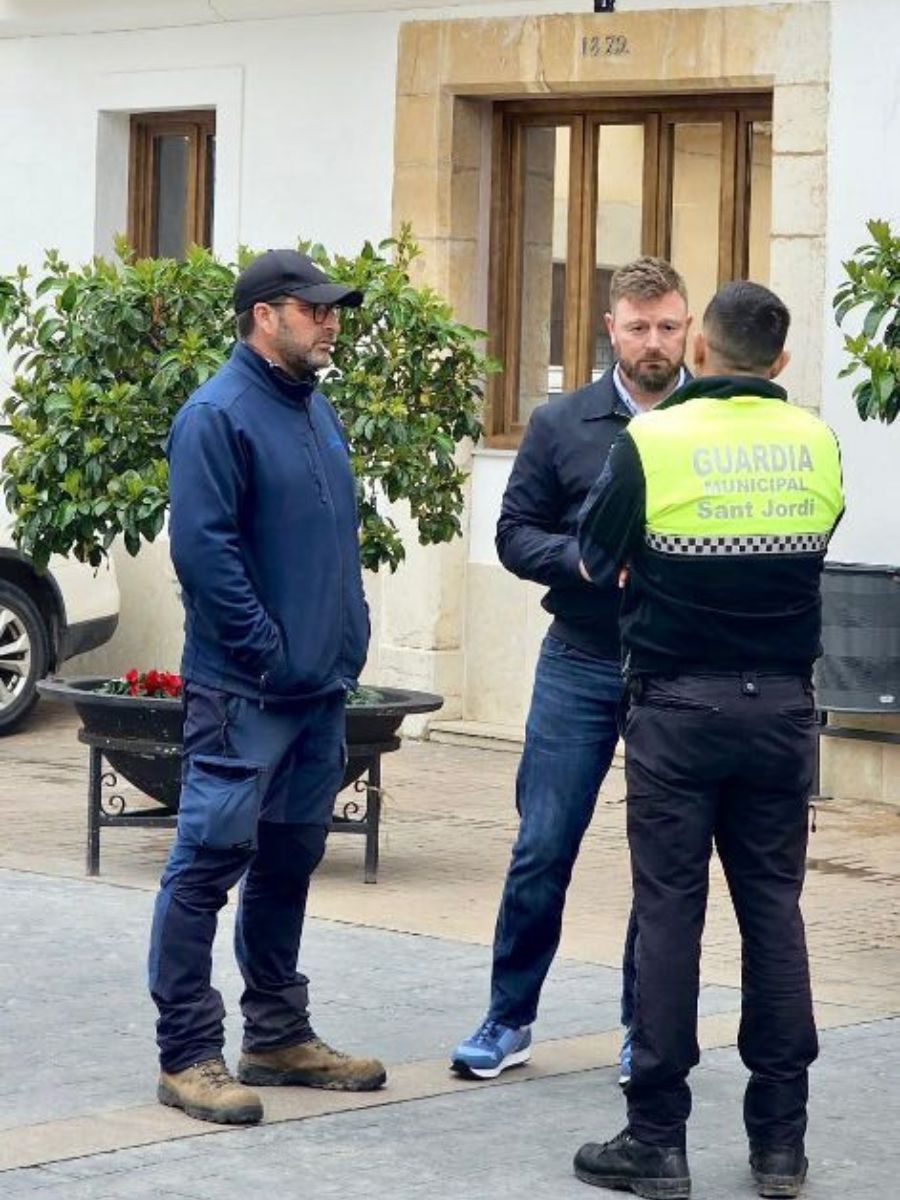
(449, 72)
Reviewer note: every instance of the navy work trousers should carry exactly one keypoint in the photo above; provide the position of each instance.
(725, 760)
(570, 739)
(257, 797)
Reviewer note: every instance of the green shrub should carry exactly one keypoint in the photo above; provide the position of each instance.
(106, 354)
(873, 280)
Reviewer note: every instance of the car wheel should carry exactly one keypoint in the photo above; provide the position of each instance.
(24, 654)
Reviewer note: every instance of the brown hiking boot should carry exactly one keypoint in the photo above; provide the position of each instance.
(311, 1064)
(209, 1092)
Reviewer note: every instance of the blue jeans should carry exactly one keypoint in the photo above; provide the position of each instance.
(570, 739)
(257, 796)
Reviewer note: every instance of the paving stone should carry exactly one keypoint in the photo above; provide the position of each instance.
(401, 970)
(500, 1142)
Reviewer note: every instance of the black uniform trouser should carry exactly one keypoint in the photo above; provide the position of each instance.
(724, 759)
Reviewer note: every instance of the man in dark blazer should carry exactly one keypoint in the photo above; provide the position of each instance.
(571, 732)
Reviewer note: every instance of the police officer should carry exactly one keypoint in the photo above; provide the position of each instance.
(721, 504)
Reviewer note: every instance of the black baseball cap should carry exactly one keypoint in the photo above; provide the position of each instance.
(289, 273)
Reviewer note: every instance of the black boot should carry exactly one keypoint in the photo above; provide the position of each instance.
(778, 1170)
(627, 1165)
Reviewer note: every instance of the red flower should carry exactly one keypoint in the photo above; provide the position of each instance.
(156, 684)
(170, 684)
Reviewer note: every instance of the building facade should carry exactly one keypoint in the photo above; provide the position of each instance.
(533, 147)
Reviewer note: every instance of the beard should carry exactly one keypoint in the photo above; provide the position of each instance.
(299, 360)
(651, 375)
(301, 363)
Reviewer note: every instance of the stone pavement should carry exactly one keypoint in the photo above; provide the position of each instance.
(400, 969)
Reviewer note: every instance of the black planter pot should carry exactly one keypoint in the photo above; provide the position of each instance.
(859, 670)
(153, 725)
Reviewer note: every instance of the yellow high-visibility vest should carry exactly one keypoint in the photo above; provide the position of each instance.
(744, 475)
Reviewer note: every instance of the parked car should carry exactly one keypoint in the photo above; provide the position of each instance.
(45, 619)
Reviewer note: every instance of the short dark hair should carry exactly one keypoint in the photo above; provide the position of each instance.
(746, 325)
(246, 323)
(645, 278)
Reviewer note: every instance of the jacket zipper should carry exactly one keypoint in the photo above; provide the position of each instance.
(340, 558)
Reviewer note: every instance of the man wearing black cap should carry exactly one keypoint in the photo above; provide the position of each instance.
(263, 532)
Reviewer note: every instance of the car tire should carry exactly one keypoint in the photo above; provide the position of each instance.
(24, 654)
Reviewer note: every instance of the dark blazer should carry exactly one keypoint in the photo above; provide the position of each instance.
(563, 451)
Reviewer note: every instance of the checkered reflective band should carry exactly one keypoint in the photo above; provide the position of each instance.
(765, 543)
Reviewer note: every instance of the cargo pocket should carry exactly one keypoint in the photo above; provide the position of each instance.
(220, 802)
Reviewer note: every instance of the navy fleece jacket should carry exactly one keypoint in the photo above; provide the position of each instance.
(264, 536)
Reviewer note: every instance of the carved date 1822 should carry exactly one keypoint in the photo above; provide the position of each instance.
(610, 45)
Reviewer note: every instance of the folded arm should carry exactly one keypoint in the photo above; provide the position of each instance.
(612, 518)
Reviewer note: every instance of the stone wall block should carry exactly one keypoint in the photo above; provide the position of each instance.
(890, 772)
(799, 42)
(465, 120)
(800, 119)
(419, 198)
(417, 130)
(798, 277)
(439, 671)
(420, 48)
(497, 679)
(799, 194)
(851, 770)
(488, 57)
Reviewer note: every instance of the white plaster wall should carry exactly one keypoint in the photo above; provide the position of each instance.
(49, 17)
(310, 126)
(305, 147)
(314, 104)
(863, 182)
(306, 128)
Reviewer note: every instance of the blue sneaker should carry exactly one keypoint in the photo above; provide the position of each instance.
(625, 1059)
(492, 1048)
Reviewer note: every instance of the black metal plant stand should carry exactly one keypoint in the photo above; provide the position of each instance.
(352, 817)
(109, 809)
(112, 809)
